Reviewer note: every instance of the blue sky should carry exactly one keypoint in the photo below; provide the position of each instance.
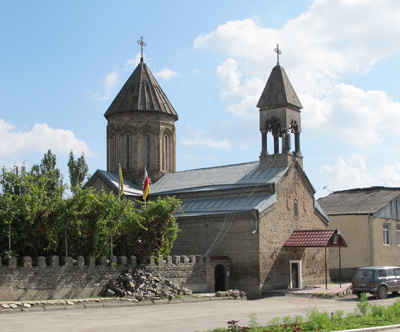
(63, 62)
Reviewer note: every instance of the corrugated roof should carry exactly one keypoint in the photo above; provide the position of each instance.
(244, 177)
(358, 201)
(223, 177)
(314, 238)
(141, 92)
(225, 205)
(113, 180)
(278, 91)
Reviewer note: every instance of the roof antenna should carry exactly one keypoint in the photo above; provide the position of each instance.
(278, 52)
(141, 43)
(326, 187)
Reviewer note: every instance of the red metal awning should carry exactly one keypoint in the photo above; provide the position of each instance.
(316, 238)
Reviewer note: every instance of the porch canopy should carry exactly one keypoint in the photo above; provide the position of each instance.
(316, 238)
(325, 238)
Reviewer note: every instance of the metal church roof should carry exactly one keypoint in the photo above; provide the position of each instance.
(245, 178)
(112, 179)
(226, 205)
(222, 177)
(278, 91)
(141, 92)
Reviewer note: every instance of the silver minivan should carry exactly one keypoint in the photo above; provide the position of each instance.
(376, 280)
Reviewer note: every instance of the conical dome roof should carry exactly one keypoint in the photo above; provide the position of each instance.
(278, 91)
(141, 92)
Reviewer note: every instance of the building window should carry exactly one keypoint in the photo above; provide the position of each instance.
(398, 234)
(113, 153)
(128, 143)
(148, 151)
(296, 208)
(386, 234)
(166, 153)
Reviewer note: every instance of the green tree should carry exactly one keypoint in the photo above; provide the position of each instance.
(43, 221)
(78, 170)
(29, 210)
(47, 168)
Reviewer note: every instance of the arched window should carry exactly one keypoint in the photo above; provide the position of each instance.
(166, 153)
(148, 151)
(113, 153)
(296, 209)
(127, 149)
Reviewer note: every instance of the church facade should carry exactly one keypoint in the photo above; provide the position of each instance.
(237, 216)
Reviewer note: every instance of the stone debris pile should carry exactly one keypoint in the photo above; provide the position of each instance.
(142, 285)
(235, 293)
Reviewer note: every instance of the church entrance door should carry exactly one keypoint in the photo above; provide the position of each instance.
(295, 274)
(219, 278)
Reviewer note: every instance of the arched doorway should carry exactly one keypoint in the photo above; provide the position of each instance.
(219, 278)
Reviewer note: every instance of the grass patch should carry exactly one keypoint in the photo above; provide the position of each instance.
(365, 315)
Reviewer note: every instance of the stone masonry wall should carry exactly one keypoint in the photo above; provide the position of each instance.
(55, 278)
(294, 210)
(185, 271)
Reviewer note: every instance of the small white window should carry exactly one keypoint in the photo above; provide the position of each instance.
(386, 234)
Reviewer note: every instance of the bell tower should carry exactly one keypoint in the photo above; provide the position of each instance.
(141, 128)
(279, 116)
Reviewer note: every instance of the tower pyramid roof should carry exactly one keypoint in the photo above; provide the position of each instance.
(141, 92)
(278, 91)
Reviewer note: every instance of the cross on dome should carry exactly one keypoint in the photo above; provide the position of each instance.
(142, 44)
(278, 52)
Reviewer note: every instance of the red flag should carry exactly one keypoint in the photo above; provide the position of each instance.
(146, 186)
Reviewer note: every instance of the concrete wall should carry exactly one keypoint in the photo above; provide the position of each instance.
(354, 229)
(364, 237)
(276, 226)
(57, 278)
(384, 254)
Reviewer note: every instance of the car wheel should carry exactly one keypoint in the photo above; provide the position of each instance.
(356, 293)
(382, 292)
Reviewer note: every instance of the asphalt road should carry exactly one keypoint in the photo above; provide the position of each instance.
(177, 317)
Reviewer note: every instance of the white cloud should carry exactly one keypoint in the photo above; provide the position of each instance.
(330, 40)
(200, 138)
(349, 173)
(113, 80)
(166, 74)
(40, 138)
(357, 117)
(390, 175)
(240, 96)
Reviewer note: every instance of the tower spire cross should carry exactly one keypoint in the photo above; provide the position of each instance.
(142, 44)
(278, 52)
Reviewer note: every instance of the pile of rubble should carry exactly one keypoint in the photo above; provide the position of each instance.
(142, 285)
(235, 293)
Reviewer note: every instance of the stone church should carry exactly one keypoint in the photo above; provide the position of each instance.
(258, 223)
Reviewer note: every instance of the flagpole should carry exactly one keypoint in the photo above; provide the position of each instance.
(146, 187)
